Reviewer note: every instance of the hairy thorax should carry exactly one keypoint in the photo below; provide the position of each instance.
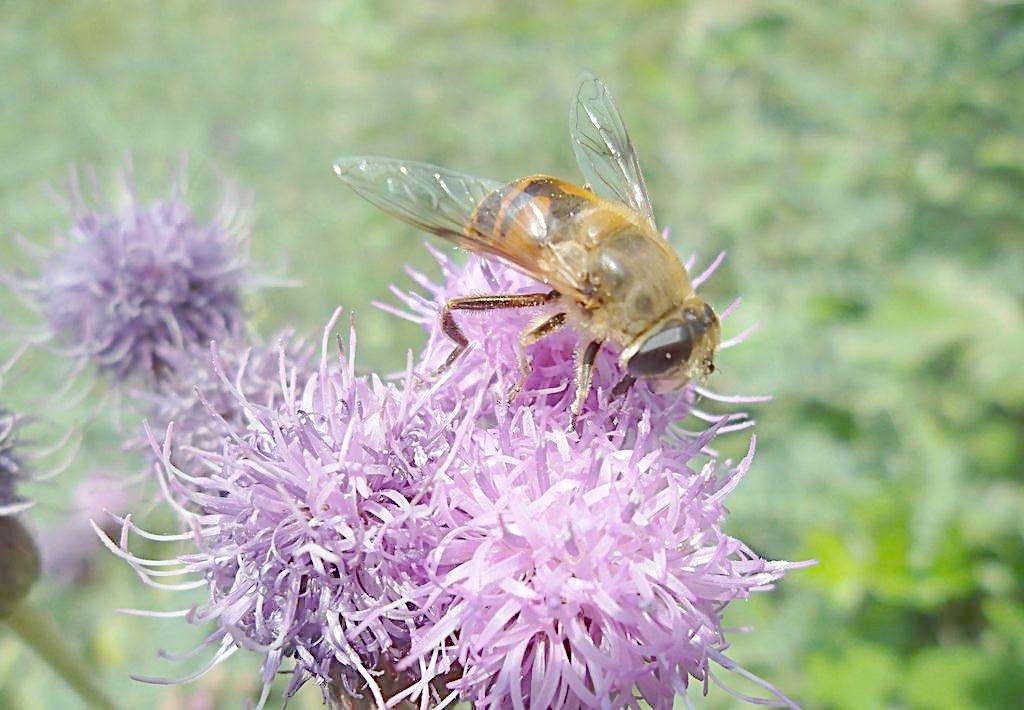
(632, 277)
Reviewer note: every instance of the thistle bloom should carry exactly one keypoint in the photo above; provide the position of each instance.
(311, 521)
(584, 573)
(577, 571)
(122, 288)
(422, 541)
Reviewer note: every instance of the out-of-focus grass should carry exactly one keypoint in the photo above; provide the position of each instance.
(862, 162)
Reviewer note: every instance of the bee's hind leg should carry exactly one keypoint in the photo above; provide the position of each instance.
(533, 333)
(481, 303)
(584, 372)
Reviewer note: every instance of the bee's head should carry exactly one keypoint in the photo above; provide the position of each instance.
(679, 348)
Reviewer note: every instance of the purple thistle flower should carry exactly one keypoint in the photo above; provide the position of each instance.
(584, 573)
(122, 288)
(581, 569)
(311, 523)
(419, 541)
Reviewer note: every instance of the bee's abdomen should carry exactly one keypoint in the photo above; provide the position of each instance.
(529, 212)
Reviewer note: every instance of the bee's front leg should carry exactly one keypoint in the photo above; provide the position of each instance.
(482, 303)
(621, 387)
(584, 373)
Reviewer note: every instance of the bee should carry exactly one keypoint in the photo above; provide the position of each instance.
(607, 269)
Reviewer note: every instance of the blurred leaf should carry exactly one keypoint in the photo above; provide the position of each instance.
(859, 676)
(838, 572)
(1007, 618)
(943, 677)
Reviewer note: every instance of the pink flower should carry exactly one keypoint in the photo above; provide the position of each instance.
(583, 572)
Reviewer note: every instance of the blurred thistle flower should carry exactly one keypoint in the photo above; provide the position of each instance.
(478, 550)
(19, 555)
(12, 455)
(68, 549)
(123, 288)
(11, 465)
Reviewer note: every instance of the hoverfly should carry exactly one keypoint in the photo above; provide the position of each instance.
(609, 272)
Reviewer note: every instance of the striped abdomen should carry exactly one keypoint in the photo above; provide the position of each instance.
(524, 217)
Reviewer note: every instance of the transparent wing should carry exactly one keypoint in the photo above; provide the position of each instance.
(603, 149)
(443, 202)
(428, 197)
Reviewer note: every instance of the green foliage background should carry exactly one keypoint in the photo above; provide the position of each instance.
(861, 161)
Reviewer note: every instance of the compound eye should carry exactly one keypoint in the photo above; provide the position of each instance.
(664, 351)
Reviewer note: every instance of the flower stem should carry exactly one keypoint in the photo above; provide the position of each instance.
(41, 635)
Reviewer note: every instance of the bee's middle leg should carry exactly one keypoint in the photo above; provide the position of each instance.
(482, 303)
(533, 333)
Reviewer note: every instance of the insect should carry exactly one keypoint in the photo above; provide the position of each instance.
(607, 270)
